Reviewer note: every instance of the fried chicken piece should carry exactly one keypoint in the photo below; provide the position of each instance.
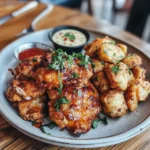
(32, 109)
(26, 67)
(77, 108)
(25, 89)
(71, 74)
(29, 66)
(47, 78)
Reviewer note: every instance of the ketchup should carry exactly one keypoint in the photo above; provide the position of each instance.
(31, 53)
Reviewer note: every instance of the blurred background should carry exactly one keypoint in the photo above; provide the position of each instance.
(130, 15)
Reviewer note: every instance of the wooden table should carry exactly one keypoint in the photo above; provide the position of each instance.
(10, 138)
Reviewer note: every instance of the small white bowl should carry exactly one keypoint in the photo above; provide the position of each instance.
(28, 46)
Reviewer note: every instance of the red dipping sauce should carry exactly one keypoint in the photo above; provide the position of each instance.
(31, 53)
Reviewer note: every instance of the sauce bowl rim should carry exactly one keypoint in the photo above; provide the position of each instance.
(58, 28)
(20, 49)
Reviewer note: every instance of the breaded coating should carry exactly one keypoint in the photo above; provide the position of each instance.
(23, 89)
(72, 74)
(12, 96)
(27, 67)
(82, 107)
(119, 76)
(132, 60)
(101, 82)
(32, 110)
(113, 103)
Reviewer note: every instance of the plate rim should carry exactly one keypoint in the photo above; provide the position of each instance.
(101, 141)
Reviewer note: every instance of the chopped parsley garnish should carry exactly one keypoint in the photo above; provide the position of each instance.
(75, 91)
(102, 62)
(33, 122)
(105, 51)
(103, 119)
(130, 72)
(115, 69)
(96, 121)
(70, 36)
(52, 124)
(85, 61)
(34, 59)
(93, 65)
(43, 130)
(59, 60)
(74, 75)
(114, 54)
(62, 100)
(60, 83)
(112, 42)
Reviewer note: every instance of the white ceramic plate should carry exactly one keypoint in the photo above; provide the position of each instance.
(117, 130)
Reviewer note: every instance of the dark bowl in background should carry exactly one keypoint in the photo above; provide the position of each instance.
(69, 49)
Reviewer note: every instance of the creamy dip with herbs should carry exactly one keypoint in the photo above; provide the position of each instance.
(69, 37)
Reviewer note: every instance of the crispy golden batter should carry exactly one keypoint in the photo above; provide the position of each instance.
(27, 66)
(32, 109)
(50, 78)
(82, 109)
(113, 103)
(23, 89)
(133, 60)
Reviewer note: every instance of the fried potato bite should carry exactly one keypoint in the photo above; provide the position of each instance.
(92, 48)
(32, 109)
(138, 91)
(97, 65)
(139, 72)
(132, 60)
(110, 53)
(123, 47)
(113, 103)
(119, 75)
(101, 82)
(77, 108)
